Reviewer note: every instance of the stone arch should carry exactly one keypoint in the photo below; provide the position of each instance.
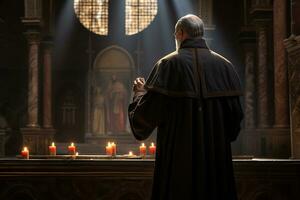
(120, 55)
(112, 75)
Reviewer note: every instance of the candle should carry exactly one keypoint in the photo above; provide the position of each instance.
(130, 154)
(109, 149)
(25, 153)
(72, 149)
(143, 150)
(152, 149)
(114, 149)
(52, 149)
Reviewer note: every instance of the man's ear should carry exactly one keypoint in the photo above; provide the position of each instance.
(183, 35)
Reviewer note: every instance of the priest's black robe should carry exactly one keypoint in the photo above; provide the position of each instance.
(192, 99)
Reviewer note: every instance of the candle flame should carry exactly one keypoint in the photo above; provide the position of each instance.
(113, 144)
(53, 144)
(152, 144)
(130, 153)
(143, 144)
(72, 144)
(25, 149)
(77, 153)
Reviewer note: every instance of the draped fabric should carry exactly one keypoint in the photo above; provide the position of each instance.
(194, 127)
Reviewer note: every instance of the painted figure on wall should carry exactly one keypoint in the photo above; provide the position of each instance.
(116, 100)
(98, 112)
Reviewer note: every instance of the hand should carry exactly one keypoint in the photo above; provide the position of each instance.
(138, 85)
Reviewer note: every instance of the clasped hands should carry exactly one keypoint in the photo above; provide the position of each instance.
(138, 86)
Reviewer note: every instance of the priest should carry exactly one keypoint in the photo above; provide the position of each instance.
(192, 98)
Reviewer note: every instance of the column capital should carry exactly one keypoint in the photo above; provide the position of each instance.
(261, 11)
(47, 44)
(33, 37)
(247, 36)
(261, 4)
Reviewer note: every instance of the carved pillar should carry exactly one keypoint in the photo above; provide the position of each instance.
(47, 100)
(36, 139)
(262, 78)
(248, 39)
(280, 67)
(249, 137)
(33, 77)
(249, 87)
(270, 141)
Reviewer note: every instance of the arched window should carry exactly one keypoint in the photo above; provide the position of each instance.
(93, 14)
(139, 15)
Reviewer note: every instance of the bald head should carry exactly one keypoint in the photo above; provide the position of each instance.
(192, 25)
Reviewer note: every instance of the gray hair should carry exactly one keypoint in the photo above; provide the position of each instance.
(192, 25)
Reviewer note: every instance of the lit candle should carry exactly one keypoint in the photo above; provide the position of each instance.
(152, 149)
(143, 150)
(72, 149)
(114, 149)
(52, 149)
(130, 154)
(109, 149)
(25, 153)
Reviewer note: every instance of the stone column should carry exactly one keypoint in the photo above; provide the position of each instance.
(33, 77)
(249, 87)
(262, 78)
(248, 135)
(47, 101)
(35, 138)
(280, 66)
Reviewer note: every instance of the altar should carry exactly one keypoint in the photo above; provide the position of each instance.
(131, 179)
(66, 74)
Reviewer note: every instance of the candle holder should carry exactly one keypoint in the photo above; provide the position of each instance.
(74, 156)
(131, 155)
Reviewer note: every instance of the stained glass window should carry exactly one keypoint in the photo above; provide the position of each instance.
(139, 14)
(93, 14)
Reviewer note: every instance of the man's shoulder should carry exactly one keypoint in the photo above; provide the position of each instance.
(220, 57)
(169, 57)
